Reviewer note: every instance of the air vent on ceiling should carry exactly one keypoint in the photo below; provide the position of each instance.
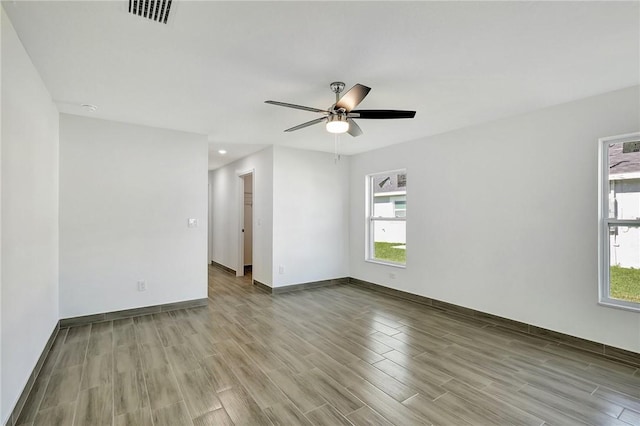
(155, 10)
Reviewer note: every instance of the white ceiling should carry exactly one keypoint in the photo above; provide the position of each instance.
(211, 68)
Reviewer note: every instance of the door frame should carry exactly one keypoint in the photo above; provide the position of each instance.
(240, 203)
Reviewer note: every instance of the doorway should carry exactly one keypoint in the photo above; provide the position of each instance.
(245, 246)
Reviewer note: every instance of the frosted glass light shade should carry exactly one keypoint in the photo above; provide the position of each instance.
(337, 124)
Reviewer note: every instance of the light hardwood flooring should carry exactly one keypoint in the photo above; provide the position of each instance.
(330, 356)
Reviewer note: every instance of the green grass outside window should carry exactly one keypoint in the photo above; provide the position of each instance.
(387, 252)
(624, 283)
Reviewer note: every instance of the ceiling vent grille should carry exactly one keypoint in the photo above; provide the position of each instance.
(155, 10)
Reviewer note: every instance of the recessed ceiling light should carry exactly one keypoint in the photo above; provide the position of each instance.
(222, 151)
(89, 107)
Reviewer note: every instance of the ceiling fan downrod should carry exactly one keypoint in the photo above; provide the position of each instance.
(337, 87)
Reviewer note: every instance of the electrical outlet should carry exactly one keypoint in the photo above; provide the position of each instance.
(142, 285)
(392, 275)
(281, 269)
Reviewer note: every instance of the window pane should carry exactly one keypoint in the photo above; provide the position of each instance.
(400, 206)
(382, 206)
(390, 242)
(624, 261)
(624, 180)
(389, 189)
(385, 206)
(390, 206)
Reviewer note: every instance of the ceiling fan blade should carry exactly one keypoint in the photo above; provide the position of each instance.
(354, 129)
(381, 114)
(304, 108)
(353, 97)
(307, 124)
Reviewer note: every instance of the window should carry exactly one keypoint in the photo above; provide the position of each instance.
(620, 221)
(386, 218)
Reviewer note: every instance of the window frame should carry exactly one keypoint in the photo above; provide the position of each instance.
(370, 219)
(604, 222)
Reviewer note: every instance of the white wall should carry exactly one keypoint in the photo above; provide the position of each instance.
(29, 254)
(226, 197)
(310, 216)
(126, 193)
(503, 217)
(300, 211)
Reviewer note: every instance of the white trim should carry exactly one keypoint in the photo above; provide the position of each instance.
(604, 257)
(603, 236)
(627, 137)
(388, 194)
(240, 200)
(388, 219)
(624, 176)
(620, 304)
(388, 263)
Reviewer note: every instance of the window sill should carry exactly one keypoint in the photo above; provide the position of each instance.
(634, 307)
(379, 262)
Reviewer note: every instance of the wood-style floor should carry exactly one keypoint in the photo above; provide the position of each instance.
(329, 356)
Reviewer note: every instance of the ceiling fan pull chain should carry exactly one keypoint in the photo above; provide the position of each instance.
(336, 139)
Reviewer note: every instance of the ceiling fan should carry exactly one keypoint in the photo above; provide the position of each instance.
(339, 116)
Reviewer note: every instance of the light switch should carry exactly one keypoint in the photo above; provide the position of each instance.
(192, 223)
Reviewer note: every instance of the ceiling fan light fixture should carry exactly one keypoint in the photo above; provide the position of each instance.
(337, 123)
